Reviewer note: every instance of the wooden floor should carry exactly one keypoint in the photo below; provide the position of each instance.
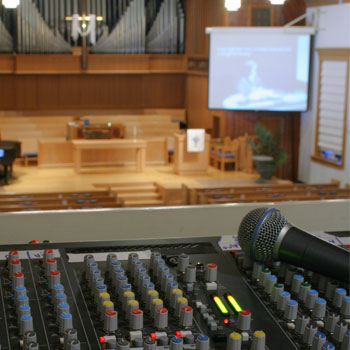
(33, 179)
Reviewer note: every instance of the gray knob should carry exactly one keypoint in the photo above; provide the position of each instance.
(65, 321)
(158, 263)
(132, 257)
(291, 310)
(257, 267)
(276, 291)
(23, 310)
(102, 298)
(282, 301)
(90, 265)
(132, 304)
(190, 274)
(189, 339)
(110, 259)
(110, 323)
(345, 307)
(51, 265)
(263, 274)
(328, 346)
(309, 333)
(20, 290)
(149, 344)
(69, 334)
(143, 279)
(176, 343)
(93, 274)
(301, 323)
(330, 289)
(102, 288)
(126, 287)
(106, 306)
(339, 331)
(119, 281)
(134, 266)
(179, 304)
(234, 341)
(29, 337)
(166, 278)
(319, 310)
(289, 275)
(338, 297)
(136, 319)
(17, 279)
(117, 272)
(258, 341)
(128, 295)
(163, 341)
(346, 341)
(57, 288)
(163, 270)
(59, 298)
(25, 324)
(22, 300)
(296, 283)
(170, 286)
(123, 344)
(184, 260)
(151, 294)
(63, 307)
(161, 318)
(15, 266)
(186, 316)
(270, 281)
(98, 281)
(54, 278)
(331, 320)
(87, 258)
(203, 341)
(154, 256)
(303, 290)
(73, 344)
(244, 320)
(146, 288)
(175, 294)
(318, 340)
(13, 255)
(32, 346)
(156, 304)
(311, 297)
(211, 272)
(140, 271)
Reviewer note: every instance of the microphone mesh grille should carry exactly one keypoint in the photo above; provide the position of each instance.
(247, 228)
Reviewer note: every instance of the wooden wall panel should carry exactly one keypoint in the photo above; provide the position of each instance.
(7, 92)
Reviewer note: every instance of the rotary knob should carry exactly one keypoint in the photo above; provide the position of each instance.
(102, 298)
(291, 310)
(311, 297)
(328, 346)
(339, 331)
(180, 303)
(132, 257)
(65, 322)
(176, 343)
(154, 256)
(319, 310)
(303, 290)
(59, 298)
(346, 341)
(184, 261)
(13, 255)
(63, 307)
(132, 304)
(282, 301)
(110, 323)
(309, 333)
(190, 274)
(73, 344)
(54, 278)
(136, 319)
(186, 316)
(143, 279)
(17, 279)
(20, 290)
(170, 286)
(234, 341)
(244, 320)
(151, 295)
(128, 295)
(338, 297)
(32, 346)
(156, 303)
(29, 337)
(149, 344)
(25, 324)
(106, 306)
(48, 254)
(161, 318)
(102, 288)
(211, 272)
(51, 265)
(203, 341)
(123, 344)
(146, 288)
(69, 334)
(15, 266)
(258, 341)
(262, 276)
(166, 278)
(345, 307)
(126, 287)
(175, 294)
(117, 272)
(331, 320)
(270, 281)
(296, 283)
(257, 267)
(57, 288)
(276, 291)
(120, 280)
(318, 340)
(301, 323)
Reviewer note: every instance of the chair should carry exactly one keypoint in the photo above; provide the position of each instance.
(227, 153)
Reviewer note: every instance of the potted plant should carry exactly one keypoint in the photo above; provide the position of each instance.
(267, 152)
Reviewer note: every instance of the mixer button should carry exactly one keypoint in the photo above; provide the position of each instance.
(319, 310)
(190, 274)
(234, 341)
(176, 343)
(161, 318)
(301, 323)
(156, 304)
(338, 297)
(65, 322)
(110, 323)
(180, 303)
(339, 331)
(132, 304)
(345, 307)
(183, 262)
(311, 297)
(331, 320)
(136, 319)
(123, 344)
(244, 320)
(291, 310)
(258, 341)
(202, 342)
(296, 283)
(303, 290)
(318, 340)
(25, 324)
(54, 278)
(211, 272)
(17, 279)
(309, 333)
(186, 316)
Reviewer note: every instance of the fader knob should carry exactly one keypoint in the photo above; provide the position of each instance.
(73, 344)
(25, 324)
(311, 297)
(65, 321)
(309, 333)
(346, 341)
(110, 323)
(184, 260)
(345, 307)
(291, 310)
(32, 346)
(244, 320)
(339, 331)
(303, 290)
(234, 341)
(186, 316)
(203, 341)
(29, 337)
(190, 274)
(161, 318)
(123, 344)
(211, 272)
(69, 334)
(17, 279)
(318, 340)
(149, 344)
(301, 323)
(331, 320)
(258, 341)
(338, 297)
(319, 310)
(136, 319)
(176, 343)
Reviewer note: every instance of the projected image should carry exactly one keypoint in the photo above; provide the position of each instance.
(260, 73)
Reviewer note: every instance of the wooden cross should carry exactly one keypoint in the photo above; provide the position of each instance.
(84, 19)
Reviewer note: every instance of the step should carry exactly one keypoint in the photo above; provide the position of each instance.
(138, 196)
(125, 184)
(131, 189)
(144, 203)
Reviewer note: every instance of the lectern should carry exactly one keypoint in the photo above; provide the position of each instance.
(190, 163)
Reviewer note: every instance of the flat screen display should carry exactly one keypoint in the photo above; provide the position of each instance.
(258, 69)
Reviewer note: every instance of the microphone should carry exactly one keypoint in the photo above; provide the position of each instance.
(266, 235)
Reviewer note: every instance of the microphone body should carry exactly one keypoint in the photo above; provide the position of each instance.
(300, 248)
(266, 235)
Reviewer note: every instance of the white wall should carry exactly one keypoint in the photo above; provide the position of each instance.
(334, 32)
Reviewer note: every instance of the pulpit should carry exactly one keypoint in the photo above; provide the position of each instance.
(190, 163)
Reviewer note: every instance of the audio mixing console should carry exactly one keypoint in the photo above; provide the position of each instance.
(170, 294)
